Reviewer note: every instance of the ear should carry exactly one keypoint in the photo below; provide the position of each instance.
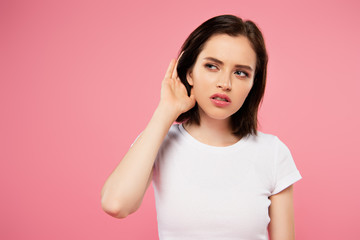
(189, 77)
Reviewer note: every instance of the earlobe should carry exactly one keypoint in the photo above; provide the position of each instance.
(189, 78)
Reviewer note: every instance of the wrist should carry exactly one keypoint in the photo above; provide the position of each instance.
(166, 113)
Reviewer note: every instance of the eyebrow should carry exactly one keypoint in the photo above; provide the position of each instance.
(221, 63)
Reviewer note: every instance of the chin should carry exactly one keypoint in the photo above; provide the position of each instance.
(219, 116)
(217, 113)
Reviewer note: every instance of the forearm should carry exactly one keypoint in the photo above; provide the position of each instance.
(126, 186)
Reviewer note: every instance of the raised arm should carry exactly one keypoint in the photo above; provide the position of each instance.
(125, 188)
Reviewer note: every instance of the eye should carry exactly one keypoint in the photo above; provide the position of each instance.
(242, 73)
(210, 66)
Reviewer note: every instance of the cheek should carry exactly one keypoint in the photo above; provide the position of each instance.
(248, 88)
(246, 93)
(203, 79)
(243, 90)
(242, 86)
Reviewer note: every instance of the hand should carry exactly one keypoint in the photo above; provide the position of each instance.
(173, 92)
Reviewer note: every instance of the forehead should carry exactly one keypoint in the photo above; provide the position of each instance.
(230, 50)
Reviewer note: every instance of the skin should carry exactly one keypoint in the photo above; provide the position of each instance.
(123, 191)
(281, 213)
(209, 77)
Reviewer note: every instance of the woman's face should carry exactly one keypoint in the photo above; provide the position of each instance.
(223, 75)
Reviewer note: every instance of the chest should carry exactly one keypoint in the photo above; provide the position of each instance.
(213, 193)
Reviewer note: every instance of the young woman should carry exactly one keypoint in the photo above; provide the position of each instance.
(214, 175)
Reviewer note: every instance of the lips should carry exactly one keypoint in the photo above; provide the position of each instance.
(221, 97)
(220, 100)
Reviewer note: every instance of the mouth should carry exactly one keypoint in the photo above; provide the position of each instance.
(221, 97)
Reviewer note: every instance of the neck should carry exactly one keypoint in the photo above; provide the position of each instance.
(215, 132)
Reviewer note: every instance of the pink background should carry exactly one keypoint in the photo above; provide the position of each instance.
(80, 79)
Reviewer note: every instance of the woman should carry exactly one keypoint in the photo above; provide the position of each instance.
(214, 175)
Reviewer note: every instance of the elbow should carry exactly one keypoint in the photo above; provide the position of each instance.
(114, 209)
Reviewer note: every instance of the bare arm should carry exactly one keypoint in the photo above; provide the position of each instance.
(281, 213)
(125, 188)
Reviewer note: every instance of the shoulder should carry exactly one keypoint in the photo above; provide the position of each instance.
(175, 128)
(263, 138)
(266, 141)
(174, 131)
(173, 145)
(173, 136)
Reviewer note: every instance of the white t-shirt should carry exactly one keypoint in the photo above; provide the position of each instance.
(208, 192)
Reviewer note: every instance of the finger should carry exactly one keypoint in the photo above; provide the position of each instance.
(174, 73)
(170, 69)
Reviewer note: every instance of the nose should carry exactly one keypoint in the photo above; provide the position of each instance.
(224, 83)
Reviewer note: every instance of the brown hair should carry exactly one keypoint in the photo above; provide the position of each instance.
(244, 121)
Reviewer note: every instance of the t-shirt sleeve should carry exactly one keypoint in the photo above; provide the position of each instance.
(285, 171)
